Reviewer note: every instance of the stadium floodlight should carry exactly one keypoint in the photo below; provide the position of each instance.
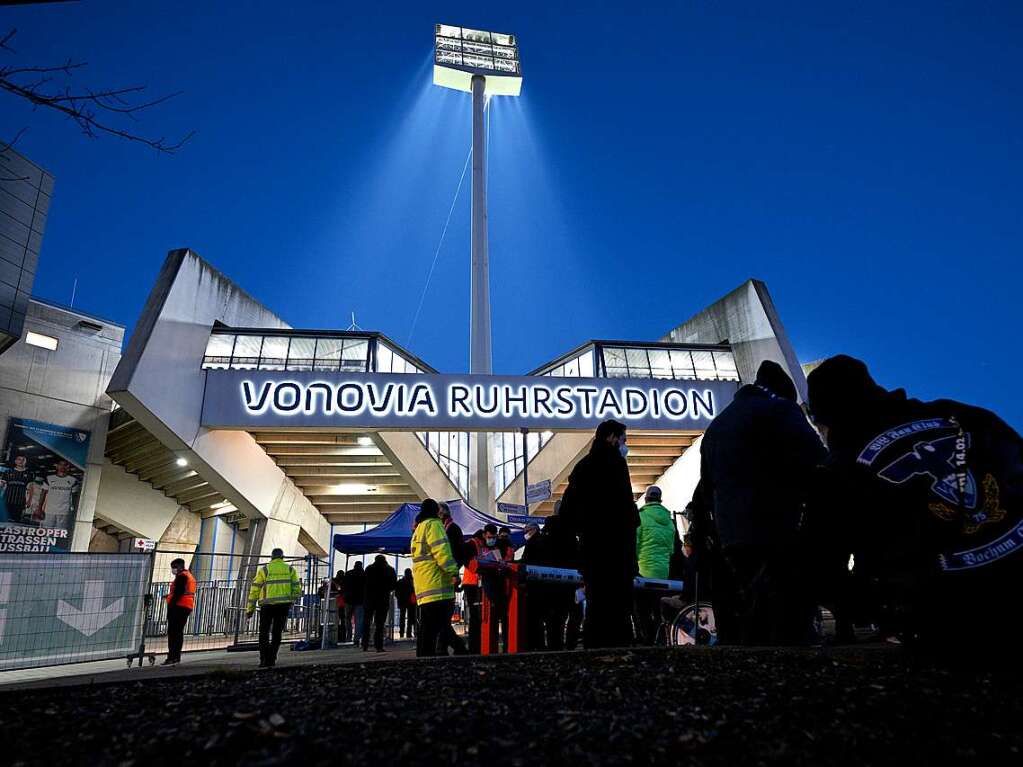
(460, 53)
(484, 64)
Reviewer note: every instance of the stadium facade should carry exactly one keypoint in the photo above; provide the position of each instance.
(221, 429)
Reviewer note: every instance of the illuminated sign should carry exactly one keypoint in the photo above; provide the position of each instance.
(250, 399)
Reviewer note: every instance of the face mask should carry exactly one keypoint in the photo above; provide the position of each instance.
(623, 449)
(490, 541)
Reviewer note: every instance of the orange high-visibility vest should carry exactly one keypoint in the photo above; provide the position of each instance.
(469, 577)
(188, 598)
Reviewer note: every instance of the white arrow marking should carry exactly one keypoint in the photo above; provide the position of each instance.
(93, 616)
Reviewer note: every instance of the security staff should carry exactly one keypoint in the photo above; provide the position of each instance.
(434, 571)
(276, 587)
(180, 603)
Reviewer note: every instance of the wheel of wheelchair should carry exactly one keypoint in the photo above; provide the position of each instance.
(688, 628)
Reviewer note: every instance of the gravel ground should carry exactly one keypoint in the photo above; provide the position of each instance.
(852, 706)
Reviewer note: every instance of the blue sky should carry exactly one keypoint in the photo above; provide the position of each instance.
(865, 160)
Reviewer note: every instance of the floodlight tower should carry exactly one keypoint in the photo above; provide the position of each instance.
(483, 64)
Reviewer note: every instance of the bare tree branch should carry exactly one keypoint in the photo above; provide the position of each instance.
(93, 111)
(66, 67)
(4, 146)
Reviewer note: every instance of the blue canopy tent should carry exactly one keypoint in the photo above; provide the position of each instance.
(392, 536)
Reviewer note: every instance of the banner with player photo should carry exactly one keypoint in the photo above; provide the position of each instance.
(41, 472)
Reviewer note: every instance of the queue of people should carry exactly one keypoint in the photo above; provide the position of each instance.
(924, 499)
(888, 511)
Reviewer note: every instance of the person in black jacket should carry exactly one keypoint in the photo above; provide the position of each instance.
(455, 535)
(537, 601)
(531, 550)
(599, 507)
(558, 548)
(404, 592)
(938, 489)
(461, 554)
(757, 458)
(355, 598)
(380, 582)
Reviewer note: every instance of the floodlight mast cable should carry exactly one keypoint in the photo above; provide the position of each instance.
(483, 64)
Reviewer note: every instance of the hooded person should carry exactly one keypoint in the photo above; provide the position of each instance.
(937, 489)
(655, 544)
(655, 538)
(756, 460)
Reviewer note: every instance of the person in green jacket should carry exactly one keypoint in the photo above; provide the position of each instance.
(275, 588)
(655, 542)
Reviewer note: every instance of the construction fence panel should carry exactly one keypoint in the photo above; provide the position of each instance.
(70, 608)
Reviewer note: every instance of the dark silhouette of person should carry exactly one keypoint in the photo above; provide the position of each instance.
(404, 594)
(930, 496)
(380, 582)
(355, 599)
(598, 506)
(756, 461)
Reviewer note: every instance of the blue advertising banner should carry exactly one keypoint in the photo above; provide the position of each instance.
(41, 475)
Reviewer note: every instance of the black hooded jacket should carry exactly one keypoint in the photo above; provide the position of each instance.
(599, 507)
(939, 485)
(757, 457)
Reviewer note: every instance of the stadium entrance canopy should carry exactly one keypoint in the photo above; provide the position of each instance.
(392, 536)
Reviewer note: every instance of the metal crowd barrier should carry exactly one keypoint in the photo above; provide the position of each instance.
(515, 609)
(71, 608)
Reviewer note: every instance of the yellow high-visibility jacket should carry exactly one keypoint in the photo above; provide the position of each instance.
(433, 567)
(275, 583)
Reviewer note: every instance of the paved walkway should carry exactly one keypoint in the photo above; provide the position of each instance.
(709, 706)
(192, 663)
